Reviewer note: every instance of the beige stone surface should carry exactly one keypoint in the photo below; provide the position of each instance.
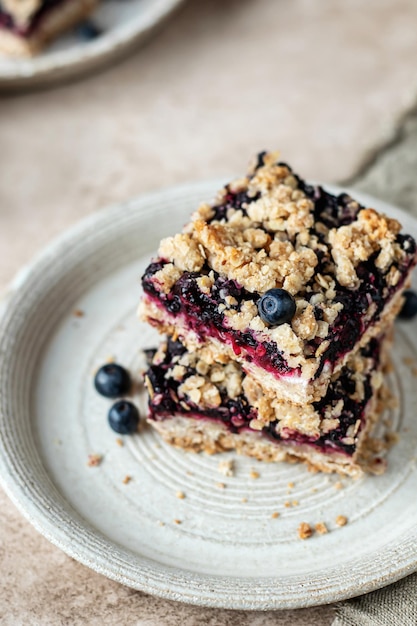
(41, 585)
(326, 81)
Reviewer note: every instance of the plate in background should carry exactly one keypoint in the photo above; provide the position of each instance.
(125, 23)
(219, 546)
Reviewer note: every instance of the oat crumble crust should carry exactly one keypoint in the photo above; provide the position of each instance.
(275, 237)
(193, 436)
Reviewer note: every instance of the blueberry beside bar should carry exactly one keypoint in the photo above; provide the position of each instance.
(27, 25)
(216, 407)
(344, 267)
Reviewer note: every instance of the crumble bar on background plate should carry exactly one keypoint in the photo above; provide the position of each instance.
(216, 407)
(345, 267)
(27, 25)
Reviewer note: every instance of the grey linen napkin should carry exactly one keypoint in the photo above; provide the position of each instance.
(390, 176)
(395, 605)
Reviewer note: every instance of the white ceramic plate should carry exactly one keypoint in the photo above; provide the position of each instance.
(125, 23)
(226, 552)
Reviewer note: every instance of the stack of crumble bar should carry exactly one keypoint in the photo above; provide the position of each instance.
(278, 302)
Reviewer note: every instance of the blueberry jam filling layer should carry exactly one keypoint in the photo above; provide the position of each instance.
(7, 22)
(236, 414)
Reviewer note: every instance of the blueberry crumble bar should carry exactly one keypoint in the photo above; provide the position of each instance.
(27, 25)
(216, 407)
(282, 277)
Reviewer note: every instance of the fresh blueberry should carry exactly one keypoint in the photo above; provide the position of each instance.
(112, 380)
(276, 307)
(87, 31)
(123, 417)
(409, 309)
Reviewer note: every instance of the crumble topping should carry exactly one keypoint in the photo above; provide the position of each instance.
(183, 251)
(200, 391)
(212, 376)
(270, 408)
(205, 283)
(246, 255)
(167, 276)
(356, 242)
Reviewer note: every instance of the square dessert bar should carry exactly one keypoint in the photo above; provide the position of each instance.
(216, 407)
(281, 276)
(27, 25)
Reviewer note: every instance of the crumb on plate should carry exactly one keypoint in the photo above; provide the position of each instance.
(94, 460)
(226, 467)
(304, 530)
(321, 528)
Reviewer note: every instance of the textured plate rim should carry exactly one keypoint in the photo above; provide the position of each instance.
(180, 585)
(78, 59)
